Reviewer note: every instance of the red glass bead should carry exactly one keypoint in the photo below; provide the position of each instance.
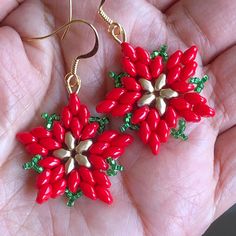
(74, 104)
(130, 84)
(182, 87)
(49, 144)
(163, 131)
(58, 132)
(76, 127)
(88, 191)
(174, 59)
(86, 175)
(194, 98)
(113, 152)
(153, 119)
(89, 131)
(98, 148)
(115, 94)
(107, 136)
(189, 55)
(143, 71)
(105, 106)
(121, 110)
(154, 143)
(144, 131)
(35, 148)
(143, 55)
(122, 140)
(203, 110)
(83, 115)
(188, 71)
(170, 117)
(156, 66)
(129, 67)
(101, 179)
(129, 51)
(44, 193)
(140, 114)
(73, 181)
(26, 138)
(43, 178)
(173, 74)
(57, 173)
(189, 116)
(129, 98)
(49, 162)
(41, 132)
(66, 117)
(103, 194)
(179, 104)
(58, 188)
(98, 162)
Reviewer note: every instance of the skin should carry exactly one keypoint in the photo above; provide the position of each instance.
(179, 192)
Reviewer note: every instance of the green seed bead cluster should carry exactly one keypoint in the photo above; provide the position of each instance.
(117, 78)
(101, 121)
(49, 119)
(33, 164)
(179, 133)
(72, 197)
(114, 167)
(199, 82)
(161, 52)
(127, 123)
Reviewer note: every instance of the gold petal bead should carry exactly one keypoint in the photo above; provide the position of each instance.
(62, 153)
(82, 160)
(69, 140)
(160, 82)
(83, 146)
(70, 165)
(146, 85)
(146, 99)
(168, 93)
(160, 105)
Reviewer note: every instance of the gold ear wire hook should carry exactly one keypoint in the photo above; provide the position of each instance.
(69, 20)
(114, 28)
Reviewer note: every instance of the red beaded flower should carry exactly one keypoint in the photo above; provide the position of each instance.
(71, 158)
(158, 91)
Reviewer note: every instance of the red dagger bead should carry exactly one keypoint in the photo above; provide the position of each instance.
(98, 162)
(154, 143)
(122, 140)
(58, 132)
(88, 191)
(179, 104)
(105, 106)
(143, 55)
(188, 71)
(73, 181)
(57, 173)
(173, 74)
(26, 138)
(144, 131)
(49, 144)
(49, 162)
(121, 109)
(86, 175)
(113, 152)
(66, 117)
(44, 193)
(35, 148)
(129, 51)
(182, 87)
(203, 110)
(153, 119)
(74, 104)
(83, 115)
(98, 148)
(103, 194)
(115, 94)
(189, 116)
(129, 98)
(89, 131)
(43, 178)
(130, 84)
(101, 179)
(41, 132)
(174, 59)
(129, 67)
(163, 131)
(189, 55)
(107, 136)
(171, 117)
(76, 127)
(58, 188)
(140, 114)
(143, 71)
(194, 98)
(156, 66)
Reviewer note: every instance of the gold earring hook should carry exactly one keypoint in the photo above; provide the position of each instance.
(114, 28)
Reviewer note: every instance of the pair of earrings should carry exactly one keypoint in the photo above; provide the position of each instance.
(74, 155)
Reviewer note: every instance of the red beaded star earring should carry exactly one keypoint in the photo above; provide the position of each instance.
(155, 92)
(72, 154)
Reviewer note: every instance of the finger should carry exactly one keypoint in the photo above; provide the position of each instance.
(222, 73)
(225, 195)
(209, 24)
(162, 4)
(7, 6)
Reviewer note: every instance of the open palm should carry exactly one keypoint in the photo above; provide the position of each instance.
(181, 191)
